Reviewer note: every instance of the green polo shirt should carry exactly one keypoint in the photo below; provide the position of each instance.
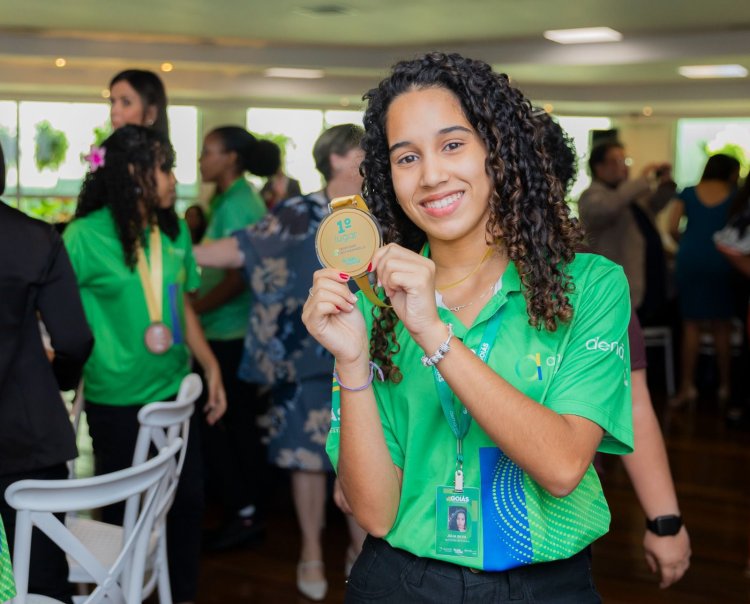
(580, 369)
(120, 370)
(230, 211)
(7, 584)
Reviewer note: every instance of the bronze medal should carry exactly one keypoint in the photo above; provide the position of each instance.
(158, 338)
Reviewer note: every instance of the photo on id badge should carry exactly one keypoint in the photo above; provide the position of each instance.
(457, 522)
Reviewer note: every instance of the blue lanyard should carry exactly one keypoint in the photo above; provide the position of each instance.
(460, 424)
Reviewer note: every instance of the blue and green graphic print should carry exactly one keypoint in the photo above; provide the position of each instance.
(524, 524)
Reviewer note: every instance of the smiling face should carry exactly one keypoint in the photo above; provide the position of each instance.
(437, 164)
(126, 107)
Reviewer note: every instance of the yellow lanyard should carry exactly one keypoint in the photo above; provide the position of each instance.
(151, 277)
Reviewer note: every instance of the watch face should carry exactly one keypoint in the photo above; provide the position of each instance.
(347, 239)
(665, 525)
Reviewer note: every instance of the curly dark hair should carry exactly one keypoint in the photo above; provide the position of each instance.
(527, 207)
(560, 148)
(126, 184)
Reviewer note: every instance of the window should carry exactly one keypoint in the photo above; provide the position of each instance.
(337, 117)
(579, 129)
(9, 144)
(44, 143)
(183, 131)
(301, 127)
(699, 138)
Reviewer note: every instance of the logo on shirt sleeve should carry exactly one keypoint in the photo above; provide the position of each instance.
(614, 346)
(533, 367)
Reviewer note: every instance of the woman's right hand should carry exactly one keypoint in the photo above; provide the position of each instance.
(333, 319)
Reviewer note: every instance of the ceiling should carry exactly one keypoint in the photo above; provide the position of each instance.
(220, 49)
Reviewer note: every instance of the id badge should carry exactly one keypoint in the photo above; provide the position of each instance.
(457, 523)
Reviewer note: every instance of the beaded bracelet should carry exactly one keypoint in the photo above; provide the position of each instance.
(373, 368)
(442, 350)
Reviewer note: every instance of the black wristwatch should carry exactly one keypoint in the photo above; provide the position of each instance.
(665, 525)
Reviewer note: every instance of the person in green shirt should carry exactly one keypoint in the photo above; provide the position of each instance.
(233, 457)
(134, 266)
(503, 353)
(7, 583)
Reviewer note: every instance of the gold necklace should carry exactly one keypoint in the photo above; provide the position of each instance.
(477, 299)
(487, 254)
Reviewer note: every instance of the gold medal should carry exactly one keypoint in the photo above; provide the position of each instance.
(347, 240)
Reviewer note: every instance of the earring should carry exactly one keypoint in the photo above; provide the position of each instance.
(150, 123)
(138, 190)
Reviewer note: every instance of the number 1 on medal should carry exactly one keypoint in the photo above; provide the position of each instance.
(344, 224)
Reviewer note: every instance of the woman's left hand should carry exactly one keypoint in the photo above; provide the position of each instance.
(216, 403)
(668, 556)
(409, 281)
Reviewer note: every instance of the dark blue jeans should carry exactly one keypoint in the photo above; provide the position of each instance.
(385, 574)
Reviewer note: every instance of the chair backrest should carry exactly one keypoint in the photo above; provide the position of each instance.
(37, 500)
(160, 424)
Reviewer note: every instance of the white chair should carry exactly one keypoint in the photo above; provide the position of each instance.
(36, 502)
(160, 424)
(75, 412)
(662, 336)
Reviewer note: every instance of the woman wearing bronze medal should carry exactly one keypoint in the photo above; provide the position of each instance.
(134, 266)
(499, 367)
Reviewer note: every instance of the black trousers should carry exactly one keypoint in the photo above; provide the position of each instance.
(114, 431)
(385, 574)
(48, 569)
(234, 458)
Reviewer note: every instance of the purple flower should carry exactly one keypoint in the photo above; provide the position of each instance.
(95, 157)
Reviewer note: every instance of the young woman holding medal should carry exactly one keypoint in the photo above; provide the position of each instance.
(134, 266)
(530, 341)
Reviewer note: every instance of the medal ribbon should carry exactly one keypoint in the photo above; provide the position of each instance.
(460, 424)
(151, 276)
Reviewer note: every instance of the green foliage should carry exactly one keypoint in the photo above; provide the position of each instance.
(51, 146)
(281, 140)
(49, 209)
(101, 133)
(732, 150)
(8, 143)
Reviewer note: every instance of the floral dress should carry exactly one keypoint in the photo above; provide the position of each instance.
(280, 260)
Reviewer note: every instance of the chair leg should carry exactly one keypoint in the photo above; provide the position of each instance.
(22, 555)
(162, 567)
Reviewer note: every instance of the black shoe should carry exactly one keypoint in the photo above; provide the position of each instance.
(235, 533)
